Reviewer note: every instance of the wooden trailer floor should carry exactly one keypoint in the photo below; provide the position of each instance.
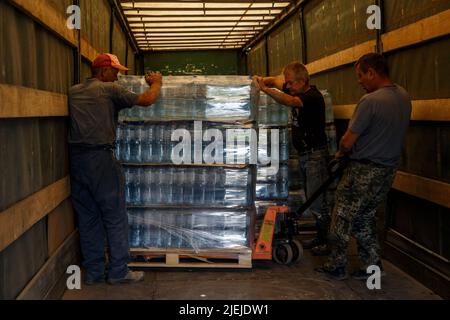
(266, 281)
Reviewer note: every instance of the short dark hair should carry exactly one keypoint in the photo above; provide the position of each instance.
(375, 61)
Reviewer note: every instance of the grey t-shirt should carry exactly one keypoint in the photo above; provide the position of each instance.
(381, 119)
(94, 107)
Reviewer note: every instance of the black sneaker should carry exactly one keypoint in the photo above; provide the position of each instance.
(130, 277)
(321, 250)
(337, 274)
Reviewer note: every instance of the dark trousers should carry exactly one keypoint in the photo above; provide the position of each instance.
(98, 195)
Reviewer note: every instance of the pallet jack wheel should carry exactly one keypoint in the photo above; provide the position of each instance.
(297, 250)
(282, 253)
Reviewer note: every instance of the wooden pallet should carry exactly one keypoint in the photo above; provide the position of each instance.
(184, 258)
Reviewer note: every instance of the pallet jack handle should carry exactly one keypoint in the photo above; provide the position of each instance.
(335, 169)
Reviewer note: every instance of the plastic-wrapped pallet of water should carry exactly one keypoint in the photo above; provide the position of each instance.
(271, 113)
(182, 185)
(191, 229)
(266, 141)
(208, 98)
(272, 184)
(330, 129)
(152, 142)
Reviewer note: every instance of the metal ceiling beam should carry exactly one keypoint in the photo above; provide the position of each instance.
(190, 38)
(190, 41)
(229, 9)
(256, 19)
(193, 29)
(183, 15)
(208, 1)
(150, 50)
(193, 44)
(193, 34)
(236, 24)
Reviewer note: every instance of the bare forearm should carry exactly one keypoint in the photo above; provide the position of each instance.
(269, 81)
(284, 98)
(347, 142)
(150, 96)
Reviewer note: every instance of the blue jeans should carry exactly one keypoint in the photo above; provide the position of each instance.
(98, 196)
(313, 171)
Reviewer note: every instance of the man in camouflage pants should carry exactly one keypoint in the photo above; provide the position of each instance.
(373, 145)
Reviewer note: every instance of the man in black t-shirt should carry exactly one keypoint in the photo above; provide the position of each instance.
(308, 136)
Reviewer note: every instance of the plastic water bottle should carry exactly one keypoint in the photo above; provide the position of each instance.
(135, 232)
(219, 189)
(157, 218)
(210, 187)
(159, 154)
(147, 144)
(135, 144)
(283, 182)
(177, 187)
(153, 231)
(200, 184)
(328, 106)
(188, 186)
(135, 190)
(284, 145)
(165, 180)
(163, 234)
(332, 139)
(119, 138)
(128, 185)
(146, 186)
(171, 144)
(146, 235)
(155, 188)
(124, 143)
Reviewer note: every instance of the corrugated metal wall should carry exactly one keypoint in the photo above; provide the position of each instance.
(257, 59)
(33, 150)
(331, 27)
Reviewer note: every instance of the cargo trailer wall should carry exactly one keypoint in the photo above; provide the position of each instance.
(415, 39)
(38, 55)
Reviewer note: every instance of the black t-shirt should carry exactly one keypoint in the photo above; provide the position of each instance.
(308, 126)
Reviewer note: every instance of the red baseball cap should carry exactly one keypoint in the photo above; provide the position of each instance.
(108, 60)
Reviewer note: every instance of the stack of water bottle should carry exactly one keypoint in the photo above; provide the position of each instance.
(184, 205)
(189, 228)
(183, 185)
(151, 142)
(271, 113)
(194, 98)
(273, 180)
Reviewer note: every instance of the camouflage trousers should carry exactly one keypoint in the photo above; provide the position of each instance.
(362, 188)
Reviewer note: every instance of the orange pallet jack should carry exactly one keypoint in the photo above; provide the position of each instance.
(283, 248)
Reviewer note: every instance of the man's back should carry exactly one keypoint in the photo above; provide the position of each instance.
(94, 106)
(381, 119)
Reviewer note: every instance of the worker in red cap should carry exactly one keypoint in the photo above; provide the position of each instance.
(97, 180)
